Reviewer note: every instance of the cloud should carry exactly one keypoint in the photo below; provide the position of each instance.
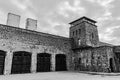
(106, 35)
(22, 5)
(54, 15)
(25, 6)
(65, 8)
(2, 20)
(111, 35)
(107, 24)
(104, 3)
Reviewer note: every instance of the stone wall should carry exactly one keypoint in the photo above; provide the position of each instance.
(92, 38)
(14, 39)
(92, 59)
(79, 36)
(116, 57)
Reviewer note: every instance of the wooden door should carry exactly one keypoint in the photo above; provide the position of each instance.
(21, 62)
(43, 62)
(2, 61)
(61, 62)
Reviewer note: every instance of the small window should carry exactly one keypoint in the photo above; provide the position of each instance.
(79, 31)
(99, 57)
(87, 60)
(79, 60)
(92, 35)
(79, 42)
(76, 32)
(73, 33)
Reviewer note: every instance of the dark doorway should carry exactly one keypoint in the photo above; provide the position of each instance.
(61, 62)
(21, 62)
(111, 65)
(43, 62)
(2, 61)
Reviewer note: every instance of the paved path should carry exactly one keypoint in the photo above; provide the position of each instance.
(57, 76)
(100, 73)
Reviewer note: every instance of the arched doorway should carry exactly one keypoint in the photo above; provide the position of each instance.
(111, 65)
(43, 62)
(60, 62)
(21, 62)
(2, 61)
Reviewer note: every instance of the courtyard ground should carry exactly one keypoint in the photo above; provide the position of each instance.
(61, 76)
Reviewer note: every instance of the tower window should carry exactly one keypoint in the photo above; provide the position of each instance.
(79, 31)
(76, 32)
(73, 33)
(79, 42)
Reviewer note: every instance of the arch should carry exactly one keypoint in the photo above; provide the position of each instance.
(43, 62)
(2, 52)
(21, 62)
(2, 61)
(60, 62)
(111, 65)
(21, 52)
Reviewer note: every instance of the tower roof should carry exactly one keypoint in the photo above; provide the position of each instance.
(93, 21)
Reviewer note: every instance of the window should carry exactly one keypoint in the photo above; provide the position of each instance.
(73, 33)
(76, 32)
(99, 57)
(79, 42)
(87, 60)
(79, 31)
(79, 60)
(92, 35)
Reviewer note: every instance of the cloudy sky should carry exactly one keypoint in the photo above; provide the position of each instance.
(54, 15)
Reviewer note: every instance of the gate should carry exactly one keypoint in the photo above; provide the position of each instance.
(2, 61)
(21, 62)
(61, 62)
(43, 62)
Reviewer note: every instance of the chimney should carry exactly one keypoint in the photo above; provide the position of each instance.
(13, 20)
(31, 24)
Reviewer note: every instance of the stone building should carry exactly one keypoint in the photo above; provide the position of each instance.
(29, 51)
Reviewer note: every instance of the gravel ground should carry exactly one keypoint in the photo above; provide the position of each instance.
(57, 76)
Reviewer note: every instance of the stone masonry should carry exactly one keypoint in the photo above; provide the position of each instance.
(83, 50)
(15, 39)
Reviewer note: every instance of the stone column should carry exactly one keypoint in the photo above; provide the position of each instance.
(53, 62)
(33, 62)
(8, 63)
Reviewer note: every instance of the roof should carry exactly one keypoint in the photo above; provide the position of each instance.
(83, 18)
(105, 44)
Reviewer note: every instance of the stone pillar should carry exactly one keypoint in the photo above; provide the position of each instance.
(8, 63)
(34, 62)
(53, 62)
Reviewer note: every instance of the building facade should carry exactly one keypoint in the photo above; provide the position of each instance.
(30, 51)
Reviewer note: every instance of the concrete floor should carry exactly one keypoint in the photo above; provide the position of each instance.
(58, 76)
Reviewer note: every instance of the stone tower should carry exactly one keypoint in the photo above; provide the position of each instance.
(84, 33)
